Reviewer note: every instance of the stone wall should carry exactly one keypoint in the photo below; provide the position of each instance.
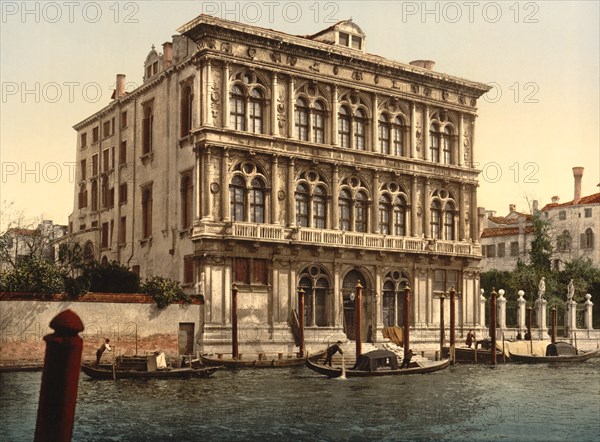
(123, 318)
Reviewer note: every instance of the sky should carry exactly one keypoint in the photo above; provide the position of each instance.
(58, 62)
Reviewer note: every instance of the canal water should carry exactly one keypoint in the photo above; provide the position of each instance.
(463, 403)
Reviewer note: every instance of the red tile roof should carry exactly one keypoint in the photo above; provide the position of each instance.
(590, 199)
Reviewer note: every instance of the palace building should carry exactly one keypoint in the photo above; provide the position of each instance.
(275, 161)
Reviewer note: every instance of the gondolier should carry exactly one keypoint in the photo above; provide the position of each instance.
(104, 347)
(333, 350)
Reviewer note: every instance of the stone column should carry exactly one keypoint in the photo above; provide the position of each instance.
(462, 208)
(540, 315)
(472, 159)
(413, 130)
(290, 110)
(199, 185)
(482, 310)
(427, 209)
(208, 196)
(501, 303)
(274, 190)
(461, 140)
(589, 305)
(571, 315)
(426, 150)
(291, 188)
(413, 209)
(521, 325)
(335, 190)
(225, 186)
(225, 96)
(474, 215)
(274, 94)
(375, 205)
(374, 127)
(206, 73)
(200, 95)
(334, 116)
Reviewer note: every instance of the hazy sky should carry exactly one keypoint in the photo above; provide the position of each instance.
(59, 60)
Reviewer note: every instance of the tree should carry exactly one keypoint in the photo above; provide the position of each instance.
(33, 275)
(541, 247)
(164, 291)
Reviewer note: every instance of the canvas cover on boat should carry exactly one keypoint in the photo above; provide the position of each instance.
(560, 349)
(377, 358)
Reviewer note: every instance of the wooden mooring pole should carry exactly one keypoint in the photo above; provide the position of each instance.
(58, 393)
(235, 351)
(357, 309)
(493, 326)
(406, 319)
(301, 320)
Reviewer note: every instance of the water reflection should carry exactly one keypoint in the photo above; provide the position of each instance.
(467, 403)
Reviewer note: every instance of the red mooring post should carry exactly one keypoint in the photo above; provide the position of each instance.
(357, 310)
(493, 325)
(406, 320)
(452, 322)
(553, 319)
(301, 319)
(235, 351)
(58, 393)
(442, 324)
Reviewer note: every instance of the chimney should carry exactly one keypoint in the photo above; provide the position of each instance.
(512, 208)
(535, 206)
(577, 175)
(120, 91)
(426, 64)
(555, 199)
(167, 54)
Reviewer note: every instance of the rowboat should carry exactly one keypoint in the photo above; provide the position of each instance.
(255, 361)
(378, 363)
(103, 372)
(556, 353)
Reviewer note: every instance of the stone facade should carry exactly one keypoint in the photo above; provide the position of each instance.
(276, 161)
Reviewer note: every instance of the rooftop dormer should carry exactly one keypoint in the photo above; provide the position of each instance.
(152, 64)
(344, 33)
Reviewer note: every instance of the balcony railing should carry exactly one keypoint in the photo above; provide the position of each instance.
(336, 238)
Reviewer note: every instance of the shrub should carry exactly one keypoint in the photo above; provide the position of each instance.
(35, 275)
(164, 291)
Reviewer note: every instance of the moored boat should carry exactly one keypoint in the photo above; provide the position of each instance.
(255, 361)
(179, 373)
(376, 363)
(556, 353)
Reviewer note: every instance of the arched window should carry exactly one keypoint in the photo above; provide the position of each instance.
(399, 217)
(237, 108)
(345, 206)
(319, 207)
(317, 288)
(302, 203)
(94, 195)
(147, 128)
(384, 134)
(186, 201)
(447, 146)
(361, 212)
(563, 242)
(449, 222)
(344, 127)
(436, 218)
(301, 119)
(398, 137)
(306, 284)
(318, 122)
(237, 192)
(257, 201)
(385, 212)
(434, 140)
(256, 111)
(389, 304)
(360, 129)
(587, 239)
(186, 110)
(147, 212)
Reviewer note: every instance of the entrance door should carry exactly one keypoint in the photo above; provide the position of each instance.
(186, 338)
(349, 291)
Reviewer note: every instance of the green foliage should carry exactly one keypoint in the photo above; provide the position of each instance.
(541, 246)
(164, 291)
(33, 275)
(110, 278)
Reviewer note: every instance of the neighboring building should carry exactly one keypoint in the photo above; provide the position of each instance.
(276, 161)
(17, 242)
(573, 230)
(506, 239)
(574, 226)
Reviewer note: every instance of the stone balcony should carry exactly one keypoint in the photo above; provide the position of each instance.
(272, 233)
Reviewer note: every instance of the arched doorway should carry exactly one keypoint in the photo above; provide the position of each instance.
(348, 292)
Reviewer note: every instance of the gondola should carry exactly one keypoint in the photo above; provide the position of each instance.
(104, 372)
(378, 363)
(554, 356)
(256, 361)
